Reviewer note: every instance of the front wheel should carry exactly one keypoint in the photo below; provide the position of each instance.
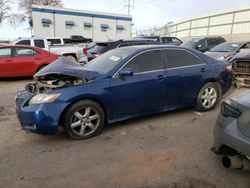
(208, 97)
(83, 120)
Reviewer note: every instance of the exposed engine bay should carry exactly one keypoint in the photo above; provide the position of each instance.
(51, 82)
(241, 71)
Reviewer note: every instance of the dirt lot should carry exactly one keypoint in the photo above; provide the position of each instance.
(169, 150)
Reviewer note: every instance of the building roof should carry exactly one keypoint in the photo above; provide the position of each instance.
(83, 13)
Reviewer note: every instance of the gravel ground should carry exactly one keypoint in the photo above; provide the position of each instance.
(169, 150)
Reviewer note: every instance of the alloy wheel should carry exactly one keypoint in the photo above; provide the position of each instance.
(85, 121)
(209, 97)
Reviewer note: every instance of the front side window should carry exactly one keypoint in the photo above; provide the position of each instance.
(24, 52)
(181, 58)
(212, 41)
(24, 42)
(147, 61)
(5, 52)
(39, 43)
(54, 41)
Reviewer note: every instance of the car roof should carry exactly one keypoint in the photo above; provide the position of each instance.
(208, 37)
(127, 40)
(20, 46)
(23, 46)
(154, 46)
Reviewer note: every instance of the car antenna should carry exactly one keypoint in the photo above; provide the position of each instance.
(108, 37)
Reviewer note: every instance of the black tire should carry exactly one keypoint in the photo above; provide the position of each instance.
(201, 104)
(69, 118)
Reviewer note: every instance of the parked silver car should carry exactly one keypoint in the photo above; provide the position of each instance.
(232, 132)
(227, 50)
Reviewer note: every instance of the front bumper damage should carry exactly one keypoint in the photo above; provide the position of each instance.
(38, 118)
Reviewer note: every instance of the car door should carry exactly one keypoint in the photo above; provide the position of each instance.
(24, 61)
(144, 91)
(5, 62)
(185, 77)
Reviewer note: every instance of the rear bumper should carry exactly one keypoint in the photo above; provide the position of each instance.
(227, 134)
(39, 118)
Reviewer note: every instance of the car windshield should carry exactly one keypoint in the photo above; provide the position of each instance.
(190, 43)
(108, 61)
(226, 47)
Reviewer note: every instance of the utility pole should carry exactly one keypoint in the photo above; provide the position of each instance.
(129, 5)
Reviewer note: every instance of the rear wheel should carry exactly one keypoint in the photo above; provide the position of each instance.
(83, 120)
(208, 97)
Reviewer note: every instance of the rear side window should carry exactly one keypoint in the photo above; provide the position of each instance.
(100, 48)
(181, 58)
(175, 40)
(23, 52)
(166, 40)
(5, 52)
(54, 41)
(147, 61)
(39, 43)
(24, 42)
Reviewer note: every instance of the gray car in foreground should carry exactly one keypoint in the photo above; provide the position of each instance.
(232, 132)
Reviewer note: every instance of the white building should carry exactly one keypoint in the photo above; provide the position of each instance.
(62, 22)
(233, 24)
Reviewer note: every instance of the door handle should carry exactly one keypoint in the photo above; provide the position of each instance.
(203, 70)
(160, 77)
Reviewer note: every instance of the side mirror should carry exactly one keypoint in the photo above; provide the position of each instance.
(125, 72)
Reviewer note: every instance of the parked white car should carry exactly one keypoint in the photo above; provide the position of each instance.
(72, 52)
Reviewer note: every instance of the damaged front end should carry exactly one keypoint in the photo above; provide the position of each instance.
(59, 74)
(46, 83)
(241, 69)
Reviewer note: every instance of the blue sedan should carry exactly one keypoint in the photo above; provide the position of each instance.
(121, 84)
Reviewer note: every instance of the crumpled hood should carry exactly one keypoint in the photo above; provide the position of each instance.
(243, 55)
(63, 66)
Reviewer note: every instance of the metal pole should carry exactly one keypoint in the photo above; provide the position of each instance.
(54, 24)
(92, 34)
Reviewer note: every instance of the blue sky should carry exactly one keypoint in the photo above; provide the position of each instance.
(146, 13)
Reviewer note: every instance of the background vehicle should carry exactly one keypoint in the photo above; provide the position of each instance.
(72, 52)
(23, 60)
(99, 48)
(163, 40)
(115, 86)
(232, 133)
(227, 50)
(79, 39)
(203, 44)
(241, 68)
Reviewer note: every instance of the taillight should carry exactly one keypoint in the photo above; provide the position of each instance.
(85, 51)
(228, 110)
(229, 69)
